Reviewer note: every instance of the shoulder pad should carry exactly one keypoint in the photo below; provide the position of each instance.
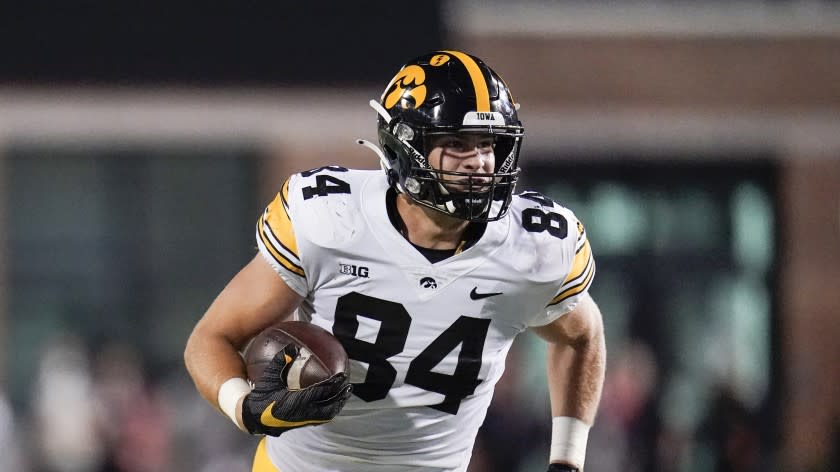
(324, 205)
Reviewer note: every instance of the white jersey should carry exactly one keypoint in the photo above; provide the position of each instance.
(427, 342)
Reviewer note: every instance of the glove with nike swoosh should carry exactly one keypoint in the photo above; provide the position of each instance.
(272, 409)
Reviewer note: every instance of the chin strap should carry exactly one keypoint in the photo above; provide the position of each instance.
(381, 110)
(383, 161)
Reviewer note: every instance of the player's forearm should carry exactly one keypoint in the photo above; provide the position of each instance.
(576, 376)
(575, 380)
(212, 360)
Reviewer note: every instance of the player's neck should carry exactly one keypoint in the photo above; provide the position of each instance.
(428, 228)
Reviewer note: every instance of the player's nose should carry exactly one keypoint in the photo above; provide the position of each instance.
(475, 160)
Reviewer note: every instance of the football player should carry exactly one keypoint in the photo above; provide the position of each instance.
(425, 271)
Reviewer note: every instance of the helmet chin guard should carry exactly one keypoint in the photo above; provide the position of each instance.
(442, 93)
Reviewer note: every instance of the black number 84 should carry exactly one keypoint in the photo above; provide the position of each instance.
(394, 321)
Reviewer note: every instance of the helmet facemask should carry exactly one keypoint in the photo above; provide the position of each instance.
(472, 196)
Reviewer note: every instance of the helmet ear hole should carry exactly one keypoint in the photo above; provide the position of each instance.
(435, 100)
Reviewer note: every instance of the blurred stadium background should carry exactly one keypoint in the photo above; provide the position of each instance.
(698, 140)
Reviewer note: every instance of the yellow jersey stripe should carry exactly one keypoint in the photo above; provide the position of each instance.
(262, 463)
(277, 218)
(284, 196)
(581, 239)
(482, 94)
(269, 237)
(275, 253)
(578, 288)
(582, 257)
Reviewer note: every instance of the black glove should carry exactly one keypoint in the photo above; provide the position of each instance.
(562, 468)
(272, 409)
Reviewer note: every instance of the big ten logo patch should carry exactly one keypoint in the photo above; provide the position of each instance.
(354, 270)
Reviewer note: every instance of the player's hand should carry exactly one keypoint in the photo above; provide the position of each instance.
(562, 468)
(272, 409)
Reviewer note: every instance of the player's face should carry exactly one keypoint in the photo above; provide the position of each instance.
(464, 153)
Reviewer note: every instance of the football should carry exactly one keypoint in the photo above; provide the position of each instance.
(320, 356)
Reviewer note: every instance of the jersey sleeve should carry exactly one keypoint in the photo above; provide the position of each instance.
(277, 242)
(578, 280)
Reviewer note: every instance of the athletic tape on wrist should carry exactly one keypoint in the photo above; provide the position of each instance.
(568, 440)
(229, 395)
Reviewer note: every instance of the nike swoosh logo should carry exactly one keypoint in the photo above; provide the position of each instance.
(267, 419)
(478, 296)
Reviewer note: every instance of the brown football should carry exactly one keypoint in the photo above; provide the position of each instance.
(320, 356)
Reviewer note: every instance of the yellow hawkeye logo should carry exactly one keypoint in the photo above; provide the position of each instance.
(408, 83)
(268, 419)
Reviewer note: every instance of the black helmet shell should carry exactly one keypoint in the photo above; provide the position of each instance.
(447, 92)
